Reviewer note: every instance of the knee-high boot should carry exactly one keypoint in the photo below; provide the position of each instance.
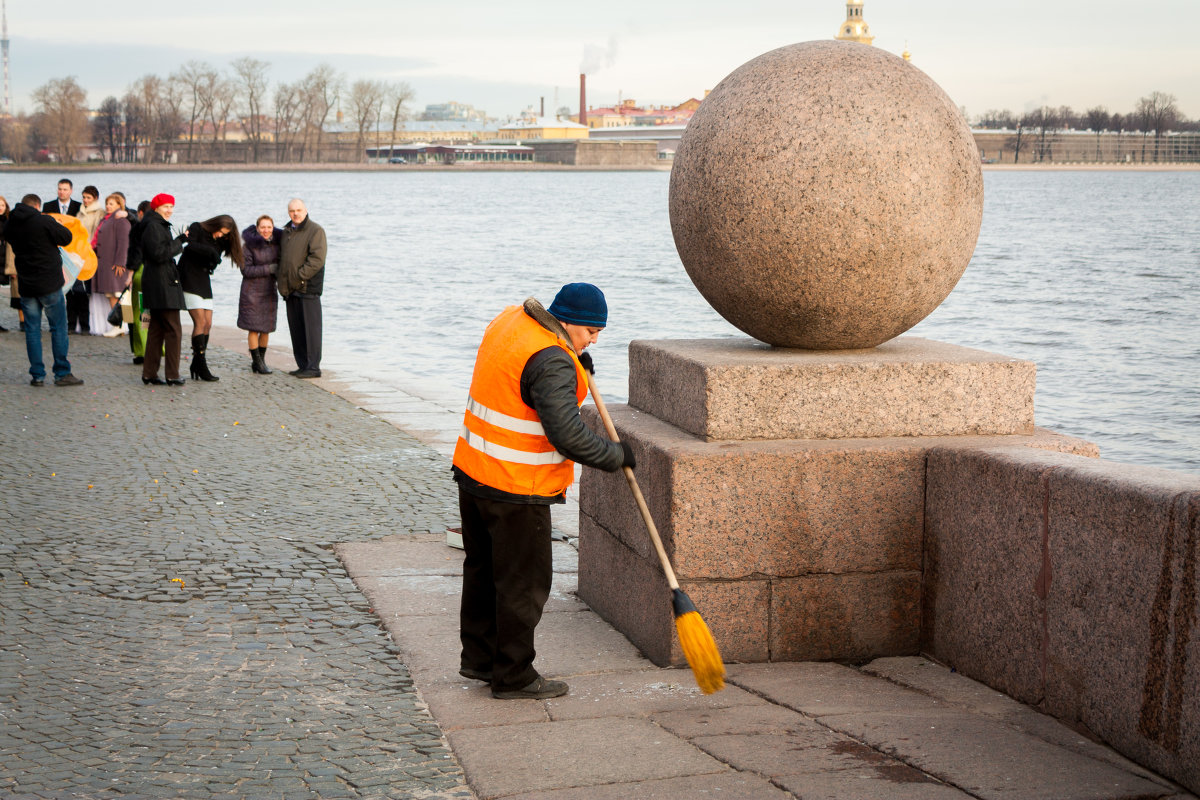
(199, 367)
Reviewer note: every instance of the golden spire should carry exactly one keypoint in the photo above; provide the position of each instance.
(907, 56)
(854, 29)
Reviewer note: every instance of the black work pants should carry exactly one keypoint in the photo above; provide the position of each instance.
(506, 583)
(304, 324)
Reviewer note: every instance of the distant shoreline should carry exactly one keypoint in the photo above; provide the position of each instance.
(1082, 167)
(333, 167)
(521, 167)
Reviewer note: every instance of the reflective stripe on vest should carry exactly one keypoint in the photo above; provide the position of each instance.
(493, 417)
(503, 444)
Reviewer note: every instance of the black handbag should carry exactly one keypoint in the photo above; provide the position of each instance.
(114, 317)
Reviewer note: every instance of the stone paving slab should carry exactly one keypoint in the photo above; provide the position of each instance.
(511, 759)
(990, 760)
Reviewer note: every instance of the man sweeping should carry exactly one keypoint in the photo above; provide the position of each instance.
(521, 435)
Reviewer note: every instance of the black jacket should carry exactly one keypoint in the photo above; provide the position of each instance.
(51, 207)
(160, 274)
(200, 258)
(35, 239)
(133, 258)
(548, 382)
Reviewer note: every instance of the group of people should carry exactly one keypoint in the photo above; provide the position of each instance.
(163, 273)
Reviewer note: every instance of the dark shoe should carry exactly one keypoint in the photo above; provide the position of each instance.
(37, 382)
(262, 361)
(296, 371)
(176, 381)
(155, 381)
(538, 689)
(476, 674)
(307, 373)
(139, 359)
(68, 380)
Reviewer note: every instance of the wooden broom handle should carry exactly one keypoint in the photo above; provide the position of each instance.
(633, 486)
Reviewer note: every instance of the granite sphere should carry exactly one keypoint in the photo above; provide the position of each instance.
(826, 195)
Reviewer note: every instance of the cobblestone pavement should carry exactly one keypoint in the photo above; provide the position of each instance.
(173, 621)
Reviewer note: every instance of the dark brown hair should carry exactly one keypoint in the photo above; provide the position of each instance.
(230, 243)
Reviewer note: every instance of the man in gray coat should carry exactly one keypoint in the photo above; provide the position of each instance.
(300, 279)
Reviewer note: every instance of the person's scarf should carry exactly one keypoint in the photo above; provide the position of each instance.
(96, 234)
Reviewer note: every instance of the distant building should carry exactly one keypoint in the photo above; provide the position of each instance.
(855, 29)
(543, 128)
(440, 112)
(628, 113)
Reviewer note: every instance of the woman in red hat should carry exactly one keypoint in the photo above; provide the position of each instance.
(162, 294)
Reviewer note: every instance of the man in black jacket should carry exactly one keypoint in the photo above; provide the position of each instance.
(35, 239)
(64, 204)
(521, 435)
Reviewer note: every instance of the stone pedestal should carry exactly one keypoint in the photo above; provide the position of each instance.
(789, 489)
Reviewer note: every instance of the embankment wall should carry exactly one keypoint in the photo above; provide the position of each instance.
(1070, 583)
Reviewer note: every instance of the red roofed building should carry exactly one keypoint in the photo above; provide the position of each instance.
(628, 113)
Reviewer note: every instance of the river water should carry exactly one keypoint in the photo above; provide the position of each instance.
(1095, 276)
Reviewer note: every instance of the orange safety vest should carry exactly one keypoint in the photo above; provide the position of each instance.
(502, 444)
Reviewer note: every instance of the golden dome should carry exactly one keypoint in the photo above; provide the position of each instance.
(854, 29)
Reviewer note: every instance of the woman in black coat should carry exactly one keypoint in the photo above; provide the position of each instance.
(207, 243)
(258, 305)
(162, 294)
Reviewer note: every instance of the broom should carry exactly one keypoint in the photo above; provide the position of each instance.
(698, 646)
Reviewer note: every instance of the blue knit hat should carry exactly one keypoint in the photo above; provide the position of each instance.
(580, 304)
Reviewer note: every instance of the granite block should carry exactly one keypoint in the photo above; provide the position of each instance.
(855, 616)
(985, 564)
(631, 593)
(731, 510)
(1123, 657)
(735, 389)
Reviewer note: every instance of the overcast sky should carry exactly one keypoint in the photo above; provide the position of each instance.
(503, 57)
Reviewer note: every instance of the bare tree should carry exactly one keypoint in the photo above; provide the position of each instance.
(287, 116)
(398, 96)
(1157, 112)
(1015, 143)
(320, 90)
(1043, 121)
(16, 138)
(366, 101)
(62, 111)
(192, 78)
(218, 95)
(252, 85)
(1097, 121)
(994, 119)
(134, 129)
(106, 127)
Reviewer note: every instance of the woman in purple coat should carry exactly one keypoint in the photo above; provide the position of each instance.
(111, 243)
(258, 305)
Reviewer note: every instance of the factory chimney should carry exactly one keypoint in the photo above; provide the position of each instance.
(542, 114)
(582, 99)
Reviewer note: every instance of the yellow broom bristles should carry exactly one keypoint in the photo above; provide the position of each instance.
(701, 652)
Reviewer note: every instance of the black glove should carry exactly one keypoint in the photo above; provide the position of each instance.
(585, 358)
(629, 460)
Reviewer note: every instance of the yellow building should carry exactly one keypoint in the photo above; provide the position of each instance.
(854, 29)
(544, 128)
